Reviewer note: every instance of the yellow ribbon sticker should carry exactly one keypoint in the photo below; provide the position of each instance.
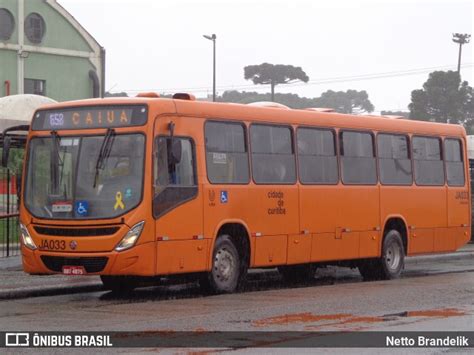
(118, 201)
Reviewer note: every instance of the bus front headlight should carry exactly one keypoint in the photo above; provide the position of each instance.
(26, 238)
(131, 237)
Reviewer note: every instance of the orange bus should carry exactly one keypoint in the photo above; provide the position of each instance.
(145, 188)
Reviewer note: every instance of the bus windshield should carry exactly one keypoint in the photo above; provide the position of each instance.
(84, 177)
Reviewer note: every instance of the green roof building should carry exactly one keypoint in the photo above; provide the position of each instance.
(45, 51)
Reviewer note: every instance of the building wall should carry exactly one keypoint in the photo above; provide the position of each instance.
(8, 69)
(59, 32)
(12, 6)
(66, 76)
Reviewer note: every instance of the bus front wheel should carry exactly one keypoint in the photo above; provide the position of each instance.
(390, 265)
(226, 269)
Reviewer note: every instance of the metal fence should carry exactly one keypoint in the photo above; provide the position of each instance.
(9, 229)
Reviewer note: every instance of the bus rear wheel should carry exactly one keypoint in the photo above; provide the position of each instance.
(390, 265)
(226, 272)
(118, 284)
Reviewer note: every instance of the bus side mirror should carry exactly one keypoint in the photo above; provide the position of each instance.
(175, 151)
(6, 150)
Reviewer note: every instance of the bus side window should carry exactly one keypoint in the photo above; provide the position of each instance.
(454, 161)
(429, 170)
(317, 157)
(273, 158)
(357, 158)
(227, 158)
(394, 159)
(174, 181)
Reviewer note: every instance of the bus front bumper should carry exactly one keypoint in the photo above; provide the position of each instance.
(138, 260)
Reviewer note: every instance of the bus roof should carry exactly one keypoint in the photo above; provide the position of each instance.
(232, 111)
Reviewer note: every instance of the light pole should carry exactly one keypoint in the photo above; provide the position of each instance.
(213, 39)
(461, 38)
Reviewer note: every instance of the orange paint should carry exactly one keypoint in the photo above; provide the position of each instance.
(282, 215)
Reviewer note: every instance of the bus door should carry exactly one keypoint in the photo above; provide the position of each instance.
(177, 202)
(273, 199)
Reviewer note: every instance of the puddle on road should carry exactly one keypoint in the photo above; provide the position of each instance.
(439, 313)
(342, 319)
(298, 318)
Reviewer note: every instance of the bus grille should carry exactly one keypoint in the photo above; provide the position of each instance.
(76, 232)
(91, 264)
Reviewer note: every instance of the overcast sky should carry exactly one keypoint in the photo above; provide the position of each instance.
(158, 45)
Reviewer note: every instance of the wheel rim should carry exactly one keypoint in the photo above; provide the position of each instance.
(393, 256)
(224, 266)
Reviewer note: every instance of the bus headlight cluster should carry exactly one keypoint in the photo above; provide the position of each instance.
(131, 237)
(26, 238)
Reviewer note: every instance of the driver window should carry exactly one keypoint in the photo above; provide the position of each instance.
(174, 173)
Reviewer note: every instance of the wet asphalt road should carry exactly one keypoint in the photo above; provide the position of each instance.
(435, 295)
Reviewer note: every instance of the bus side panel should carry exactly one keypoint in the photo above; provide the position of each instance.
(429, 214)
(299, 248)
(319, 207)
(325, 247)
(271, 250)
(458, 207)
(274, 212)
(421, 240)
(369, 244)
(232, 206)
(445, 238)
(395, 201)
(182, 256)
(274, 209)
(424, 209)
(338, 217)
(458, 218)
(358, 213)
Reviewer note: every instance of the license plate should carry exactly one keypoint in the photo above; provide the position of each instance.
(74, 270)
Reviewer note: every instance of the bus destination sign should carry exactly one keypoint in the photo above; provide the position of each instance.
(90, 117)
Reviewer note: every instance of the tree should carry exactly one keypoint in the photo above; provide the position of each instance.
(444, 98)
(395, 113)
(351, 101)
(274, 75)
(246, 97)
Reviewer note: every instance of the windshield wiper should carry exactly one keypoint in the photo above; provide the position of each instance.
(104, 153)
(56, 162)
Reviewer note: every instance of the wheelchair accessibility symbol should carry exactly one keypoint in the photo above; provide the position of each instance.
(224, 197)
(81, 208)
